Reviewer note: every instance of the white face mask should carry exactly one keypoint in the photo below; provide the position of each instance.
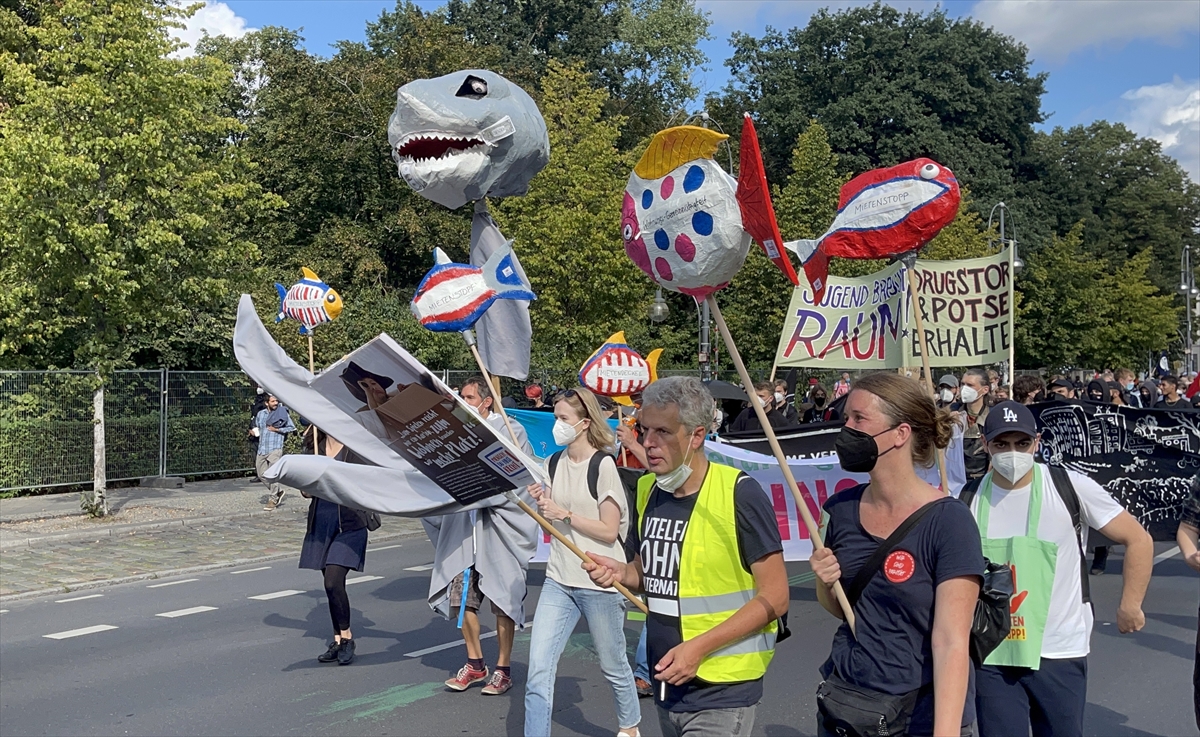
(563, 433)
(672, 480)
(779, 398)
(1012, 465)
(947, 395)
(968, 394)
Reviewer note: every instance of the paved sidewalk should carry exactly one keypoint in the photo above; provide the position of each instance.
(46, 544)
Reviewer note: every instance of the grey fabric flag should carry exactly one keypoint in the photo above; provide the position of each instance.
(499, 543)
(505, 333)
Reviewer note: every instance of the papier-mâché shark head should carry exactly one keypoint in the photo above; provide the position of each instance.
(467, 135)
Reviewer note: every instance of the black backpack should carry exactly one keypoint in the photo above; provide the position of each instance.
(629, 480)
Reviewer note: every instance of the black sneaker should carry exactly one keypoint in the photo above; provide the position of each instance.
(345, 653)
(331, 654)
(1100, 561)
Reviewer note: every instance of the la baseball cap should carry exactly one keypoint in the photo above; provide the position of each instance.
(1009, 416)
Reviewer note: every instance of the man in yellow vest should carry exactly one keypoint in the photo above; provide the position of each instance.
(709, 558)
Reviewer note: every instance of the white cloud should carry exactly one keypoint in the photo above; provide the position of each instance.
(1170, 114)
(215, 18)
(1053, 29)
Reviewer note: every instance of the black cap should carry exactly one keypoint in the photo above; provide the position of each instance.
(1063, 383)
(1009, 416)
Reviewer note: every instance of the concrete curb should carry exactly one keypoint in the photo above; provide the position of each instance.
(176, 571)
(132, 528)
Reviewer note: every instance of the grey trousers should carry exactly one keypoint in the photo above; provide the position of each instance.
(262, 463)
(711, 723)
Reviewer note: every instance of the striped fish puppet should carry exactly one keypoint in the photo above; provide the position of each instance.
(309, 301)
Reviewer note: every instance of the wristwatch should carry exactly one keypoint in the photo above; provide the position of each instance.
(567, 520)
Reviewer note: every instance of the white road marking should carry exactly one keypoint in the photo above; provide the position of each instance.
(3, 611)
(1169, 554)
(171, 583)
(420, 568)
(275, 595)
(385, 547)
(185, 612)
(363, 579)
(446, 646)
(79, 598)
(249, 570)
(80, 631)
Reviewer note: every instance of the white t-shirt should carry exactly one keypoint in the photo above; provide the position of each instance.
(1069, 625)
(570, 491)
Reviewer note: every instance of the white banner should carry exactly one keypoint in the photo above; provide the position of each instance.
(818, 479)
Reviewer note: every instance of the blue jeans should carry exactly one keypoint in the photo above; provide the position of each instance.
(641, 665)
(557, 613)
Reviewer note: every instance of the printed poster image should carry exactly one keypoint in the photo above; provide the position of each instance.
(399, 401)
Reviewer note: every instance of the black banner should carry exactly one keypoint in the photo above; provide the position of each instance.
(813, 440)
(1145, 458)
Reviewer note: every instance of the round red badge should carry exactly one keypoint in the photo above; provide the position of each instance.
(899, 566)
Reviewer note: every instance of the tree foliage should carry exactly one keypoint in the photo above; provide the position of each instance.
(1074, 312)
(124, 201)
(891, 86)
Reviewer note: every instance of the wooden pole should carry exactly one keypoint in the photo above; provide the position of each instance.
(939, 455)
(814, 532)
(542, 521)
(312, 370)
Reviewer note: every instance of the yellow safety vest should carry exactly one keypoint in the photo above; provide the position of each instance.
(713, 584)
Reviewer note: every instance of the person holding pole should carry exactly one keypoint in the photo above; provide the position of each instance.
(464, 604)
(910, 560)
(586, 501)
(716, 595)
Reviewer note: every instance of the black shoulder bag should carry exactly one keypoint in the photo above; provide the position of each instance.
(847, 710)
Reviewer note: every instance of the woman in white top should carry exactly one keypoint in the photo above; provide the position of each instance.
(594, 519)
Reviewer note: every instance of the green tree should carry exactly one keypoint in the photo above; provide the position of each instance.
(1126, 192)
(891, 86)
(1136, 318)
(124, 198)
(565, 229)
(644, 52)
(1061, 302)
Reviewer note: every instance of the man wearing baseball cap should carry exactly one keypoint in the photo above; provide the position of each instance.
(947, 390)
(1035, 518)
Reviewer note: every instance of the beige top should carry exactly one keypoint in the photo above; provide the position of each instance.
(570, 491)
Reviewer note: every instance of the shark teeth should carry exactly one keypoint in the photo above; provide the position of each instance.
(432, 145)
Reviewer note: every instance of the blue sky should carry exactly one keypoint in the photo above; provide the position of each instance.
(1133, 61)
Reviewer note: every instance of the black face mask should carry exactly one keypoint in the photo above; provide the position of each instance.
(819, 400)
(856, 450)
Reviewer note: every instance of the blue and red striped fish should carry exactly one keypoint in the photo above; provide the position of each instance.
(452, 297)
(310, 301)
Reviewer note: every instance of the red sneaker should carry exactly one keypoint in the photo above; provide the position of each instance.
(467, 677)
(498, 684)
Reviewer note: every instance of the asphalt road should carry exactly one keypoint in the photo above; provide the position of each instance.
(226, 663)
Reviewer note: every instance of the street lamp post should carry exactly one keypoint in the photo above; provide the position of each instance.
(1015, 264)
(1187, 287)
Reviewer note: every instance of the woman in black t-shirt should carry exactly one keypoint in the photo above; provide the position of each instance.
(913, 618)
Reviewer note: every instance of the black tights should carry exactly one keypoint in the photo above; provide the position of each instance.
(339, 602)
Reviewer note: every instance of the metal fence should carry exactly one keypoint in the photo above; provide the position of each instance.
(156, 423)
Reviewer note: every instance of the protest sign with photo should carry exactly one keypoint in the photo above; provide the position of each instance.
(965, 305)
(399, 401)
(1145, 458)
(858, 322)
